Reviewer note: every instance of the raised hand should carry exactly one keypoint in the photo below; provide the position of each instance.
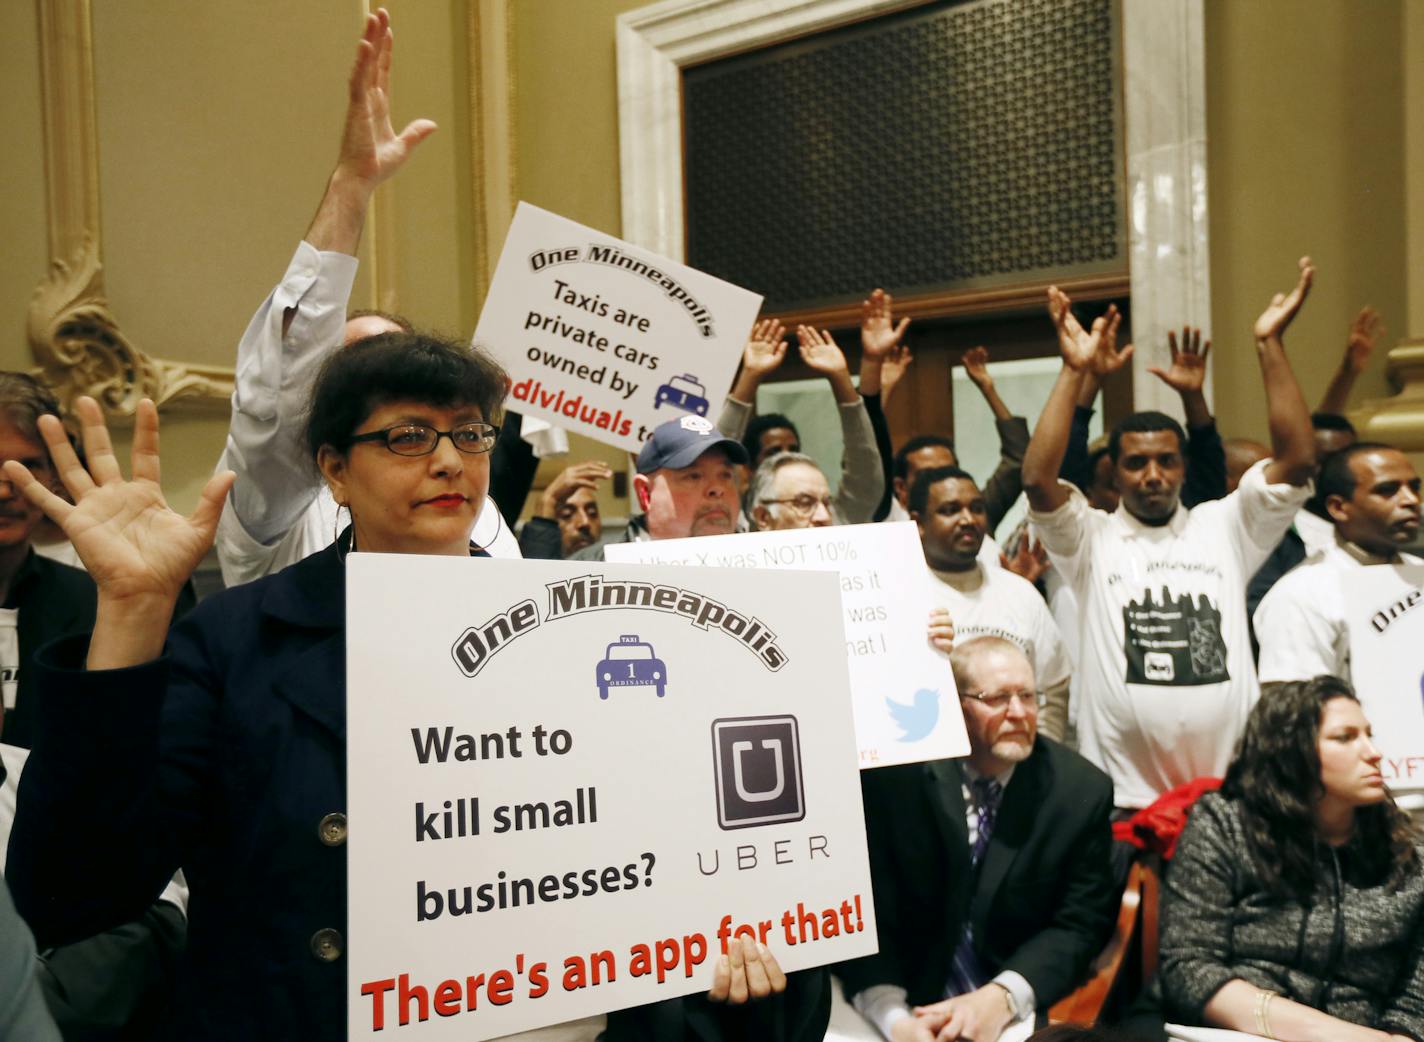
(1092, 350)
(1283, 307)
(569, 480)
(820, 352)
(747, 972)
(941, 630)
(1188, 371)
(765, 348)
(135, 547)
(976, 367)
(893, 369)
(879, 334)
(1030, 560)
(1365, 332)
(371, 150)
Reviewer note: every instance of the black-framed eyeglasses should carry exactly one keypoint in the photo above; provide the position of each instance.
(804, 504)
(1001, 699)
(415, 439)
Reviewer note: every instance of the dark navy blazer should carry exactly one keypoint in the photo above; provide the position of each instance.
(224, 756)
(227, 756)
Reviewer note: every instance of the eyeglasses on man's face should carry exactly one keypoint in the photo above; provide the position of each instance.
(996, 700)
(414, 439)
(805, 504)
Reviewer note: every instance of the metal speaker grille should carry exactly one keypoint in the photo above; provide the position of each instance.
(949, 148)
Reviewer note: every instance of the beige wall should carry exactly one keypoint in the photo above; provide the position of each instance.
(1304, 142)
(215, 147)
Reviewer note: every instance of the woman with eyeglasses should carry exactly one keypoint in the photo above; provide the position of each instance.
(224, 751)
(1294, 906)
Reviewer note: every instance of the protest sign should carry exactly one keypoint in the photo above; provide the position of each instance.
(571, 785)
(1384, 606)
(906, 707)
(605, 338)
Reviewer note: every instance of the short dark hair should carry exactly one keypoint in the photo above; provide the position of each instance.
(919, 497)
(391, 367)
(770, 421)
(1331, 421)
(1337, 477)
(1275, 779)
(1148, 422)
(405, 324)
(915, 444)
(23, 400)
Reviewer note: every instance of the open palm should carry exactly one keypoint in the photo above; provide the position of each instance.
(370, 147)
(1187, 373)
(765, 347)
(133, 544)
(879, 333)
(820, 352)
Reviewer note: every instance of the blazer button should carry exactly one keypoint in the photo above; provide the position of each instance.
(331, 830)
(326, 944)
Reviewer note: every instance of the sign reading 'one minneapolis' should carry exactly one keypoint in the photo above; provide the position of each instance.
(607, 339)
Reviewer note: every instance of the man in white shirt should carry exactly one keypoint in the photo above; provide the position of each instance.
(975, 601)
(1165, 659)
(991, 879)
(1371, 492)
(279, 512)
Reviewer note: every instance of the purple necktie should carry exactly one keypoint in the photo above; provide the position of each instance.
(965, 972)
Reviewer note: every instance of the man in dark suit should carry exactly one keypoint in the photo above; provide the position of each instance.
(993, 889)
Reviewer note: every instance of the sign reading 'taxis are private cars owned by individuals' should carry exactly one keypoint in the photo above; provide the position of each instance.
(572, 786)
(605, 338)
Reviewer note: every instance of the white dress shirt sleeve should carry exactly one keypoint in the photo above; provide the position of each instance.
(276, 480)
(883, 1005)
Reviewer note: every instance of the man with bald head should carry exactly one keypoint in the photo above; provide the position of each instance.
(1241, 455)
(1371, 493)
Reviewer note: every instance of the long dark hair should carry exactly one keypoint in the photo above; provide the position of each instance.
(1275, 778)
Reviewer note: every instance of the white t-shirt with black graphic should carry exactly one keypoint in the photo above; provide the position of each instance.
(1166, 679)
(994, 602)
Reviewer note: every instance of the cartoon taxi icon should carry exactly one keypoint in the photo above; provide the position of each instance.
(683, 392)
(630, 663)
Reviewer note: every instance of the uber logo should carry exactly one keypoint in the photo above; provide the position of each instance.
(758, 768)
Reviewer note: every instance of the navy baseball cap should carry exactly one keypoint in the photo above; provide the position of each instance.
(678, 443)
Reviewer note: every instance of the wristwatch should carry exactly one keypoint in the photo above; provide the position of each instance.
(1008, 999)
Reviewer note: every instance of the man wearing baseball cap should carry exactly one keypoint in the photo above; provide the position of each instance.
(684, 484)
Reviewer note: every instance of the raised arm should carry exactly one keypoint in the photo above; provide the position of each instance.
(302, 320)
(1082, 351)
(1365, 332)
(138, 551)
(1292, 440)
(976, 367)
(765, 350)
(1187, 374)
(880, 336)
(371, 150)
(821, 354)
(1206, 458)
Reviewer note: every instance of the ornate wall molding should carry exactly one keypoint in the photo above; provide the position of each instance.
(489, 46)
(74, 335)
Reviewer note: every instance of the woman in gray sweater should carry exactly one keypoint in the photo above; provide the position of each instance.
(1294, 908)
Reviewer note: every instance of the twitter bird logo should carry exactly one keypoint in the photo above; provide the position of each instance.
(919, 719)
